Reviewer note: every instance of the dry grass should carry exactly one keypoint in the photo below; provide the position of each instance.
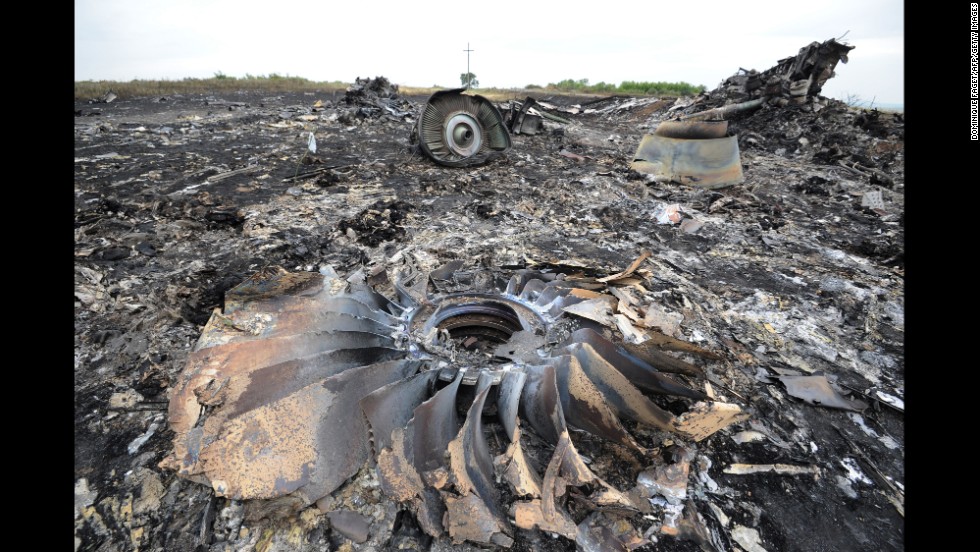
(86, 90)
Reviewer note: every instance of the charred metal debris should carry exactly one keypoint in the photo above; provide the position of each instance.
(697, 149)
(459, 130)
(377, 97)
(463, 390)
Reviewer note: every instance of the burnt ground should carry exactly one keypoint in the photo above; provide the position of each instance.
(178, 199)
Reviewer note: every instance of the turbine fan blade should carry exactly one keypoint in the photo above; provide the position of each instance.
(639, 373)
(282, 448)
(584, 405)
(392, 406)
(435, 425)
(472, 470)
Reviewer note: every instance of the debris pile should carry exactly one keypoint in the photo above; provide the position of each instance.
(527, 117)
(794, 80)
(376, 97)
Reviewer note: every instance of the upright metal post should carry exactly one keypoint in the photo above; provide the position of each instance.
(468, 74)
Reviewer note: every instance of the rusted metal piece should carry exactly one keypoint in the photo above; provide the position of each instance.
(435, 425)
(392, 406)
(585, 407)
(703, 419)
(712, 163)
(599, 309)
(207, 369)
(281, 448)
(620, 394)
(472, 469)
(272, 283)
(649, 350)
(508, 400)
(431, 510)
(553, 486)
(513, 466)
(528, 514)
(397, 474)
(540, 404)
(662, 361)
(629, 270)
(638, 372)
(724, 111)
(458, 130)
(467, 520)
(469, 455)
(694, 130)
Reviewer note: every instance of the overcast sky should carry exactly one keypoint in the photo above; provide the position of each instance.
(514, 43)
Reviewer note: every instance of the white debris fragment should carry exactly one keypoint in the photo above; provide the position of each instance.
(748, 539)
(722, 518)
(844, 484)
(854, 472)
(630, 333)
(668, 480)
(142, 439)
(667, 214)
(704, 419)
(872, 200)
(891, 399)
(781, 469)
(124, 400)
(747, 436)
(673, 513)
(704, 464)
(83, 496)
(886, 440)
(668, 322)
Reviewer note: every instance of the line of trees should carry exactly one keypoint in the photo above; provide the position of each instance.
(626, 87)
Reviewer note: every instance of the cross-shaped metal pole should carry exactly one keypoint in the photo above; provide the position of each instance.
(469, 77)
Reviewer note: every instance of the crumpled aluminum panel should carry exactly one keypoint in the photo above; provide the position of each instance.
(710, 163)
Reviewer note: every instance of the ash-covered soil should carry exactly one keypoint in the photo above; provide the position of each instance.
(178, 199)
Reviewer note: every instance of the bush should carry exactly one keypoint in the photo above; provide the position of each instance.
(628, 87)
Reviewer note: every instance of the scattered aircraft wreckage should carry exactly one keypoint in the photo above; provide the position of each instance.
(797, 278)
(696, 149)
(304, 377)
